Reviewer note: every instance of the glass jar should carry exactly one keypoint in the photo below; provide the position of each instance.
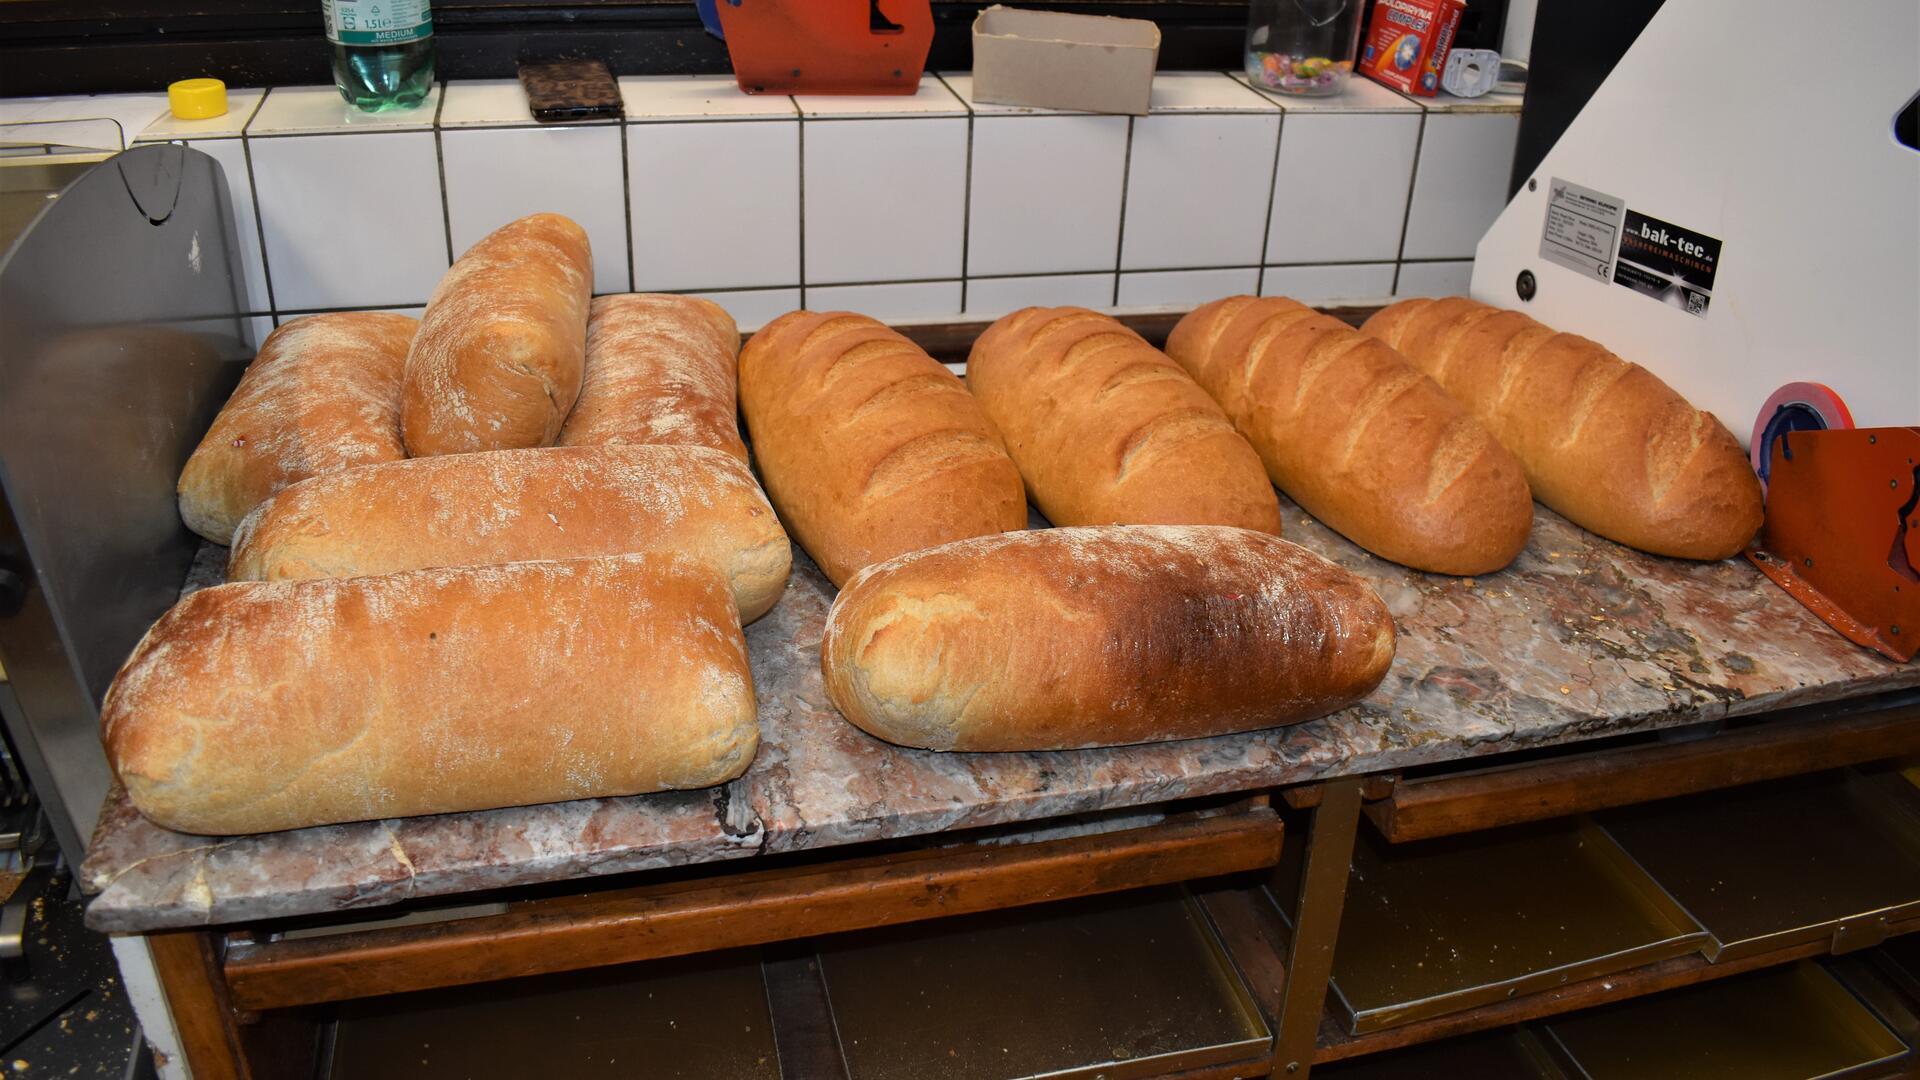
(1302, 46)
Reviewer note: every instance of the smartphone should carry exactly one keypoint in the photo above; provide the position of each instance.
(569, 91)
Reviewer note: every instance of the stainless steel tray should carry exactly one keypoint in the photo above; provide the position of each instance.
(1438, 926)
(1132, 985)
(1763, 867)
(694, 1018)
(1786, 1023)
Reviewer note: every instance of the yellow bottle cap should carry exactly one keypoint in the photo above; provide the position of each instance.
(197, 99)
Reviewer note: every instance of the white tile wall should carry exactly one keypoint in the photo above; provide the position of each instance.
(1319, 284)
(910, 203)
(901, 300)
(1460, 184)
(994, 297)
(883, 199)
(1435, 278)
(715, 205)
(350, 220)
(1186, 287)
(494, 175)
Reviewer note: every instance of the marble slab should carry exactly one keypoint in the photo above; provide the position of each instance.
(1579, 639)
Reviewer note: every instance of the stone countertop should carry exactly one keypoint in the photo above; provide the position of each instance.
(1579, 639)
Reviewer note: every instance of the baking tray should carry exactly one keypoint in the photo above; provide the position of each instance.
(695, 1017)
(1786, 1023)
(1763, 867)
(1434, 927)
(1509, 1054)
(1130, 985)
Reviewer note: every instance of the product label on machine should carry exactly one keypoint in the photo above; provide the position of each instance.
(377, 22)
(1582, 226)
(1669, 263)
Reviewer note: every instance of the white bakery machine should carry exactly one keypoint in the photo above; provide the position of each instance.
(1746, 225)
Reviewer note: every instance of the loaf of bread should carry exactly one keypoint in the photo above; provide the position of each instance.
(497, 362)
(256, 706)
(502, 506)
(1360, 438)
(1604, 442)
(322, 395)
(868, 447)
(1056, 639)
(660, 370)
(1108, 431)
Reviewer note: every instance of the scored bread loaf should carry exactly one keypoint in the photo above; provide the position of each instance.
(322, 395)
(497, 362)
(1107, 430)
(562, 502)
(660, 370)
(868, 447)
(1359, 437)
(1057, 639)
(1603, 441)
(257, 706)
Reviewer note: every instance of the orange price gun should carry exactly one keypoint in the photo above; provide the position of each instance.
(1842, 531)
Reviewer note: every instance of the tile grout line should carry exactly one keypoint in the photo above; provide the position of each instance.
(440, 163)
(259, 222)
(1273, 203)
(626, 201)
(1120, 234)
(800, 156)
(1406, 216)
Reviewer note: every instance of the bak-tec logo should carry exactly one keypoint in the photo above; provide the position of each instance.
(1681, 244)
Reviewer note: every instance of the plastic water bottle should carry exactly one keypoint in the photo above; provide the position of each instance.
(382, 51)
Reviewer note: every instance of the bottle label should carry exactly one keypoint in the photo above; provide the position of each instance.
(377, 22)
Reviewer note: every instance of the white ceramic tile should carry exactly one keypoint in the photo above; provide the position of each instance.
(1444, 102)
(318, 110)
(1340, 187)
(1186, 288)
(885, 199)
(1205, 91)
(1046, 193)
(932, 99)
(258, 327)
(232, 156)
(994, 297)
(903, 300)
(755, 308)
(350, 220)
(1197, 190)
(495, 175)
(716, 205)
(961, 83)
(95, 121)
(1319, 284)
(699, 97)
(1435, 278)
(1360, 94)
(489, 103)
(1460, 184)
(228, 125)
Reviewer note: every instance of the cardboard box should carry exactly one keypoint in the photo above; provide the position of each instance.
(1407, 43)
(1053, 60)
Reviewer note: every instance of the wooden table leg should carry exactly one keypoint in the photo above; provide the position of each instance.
(1316, 926)
(188, 963)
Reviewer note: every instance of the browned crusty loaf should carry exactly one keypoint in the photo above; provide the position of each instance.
(867, 446)
(660, 370)
(497, 362)
(1603, 441)
(1106, 430)
(276, 705)
(322, 395)
(1097, 636)
(562, 502)
(1360, 438)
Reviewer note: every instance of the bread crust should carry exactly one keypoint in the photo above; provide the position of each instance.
(660, 370)
(498, 360)
(1358, 436)
(1603, 441)
(1063, 638)
(505, 506)
(868, 447)
(257, 706)
(322, 395)
(1107, 430)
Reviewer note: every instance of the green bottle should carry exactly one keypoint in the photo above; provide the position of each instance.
(382, 51)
